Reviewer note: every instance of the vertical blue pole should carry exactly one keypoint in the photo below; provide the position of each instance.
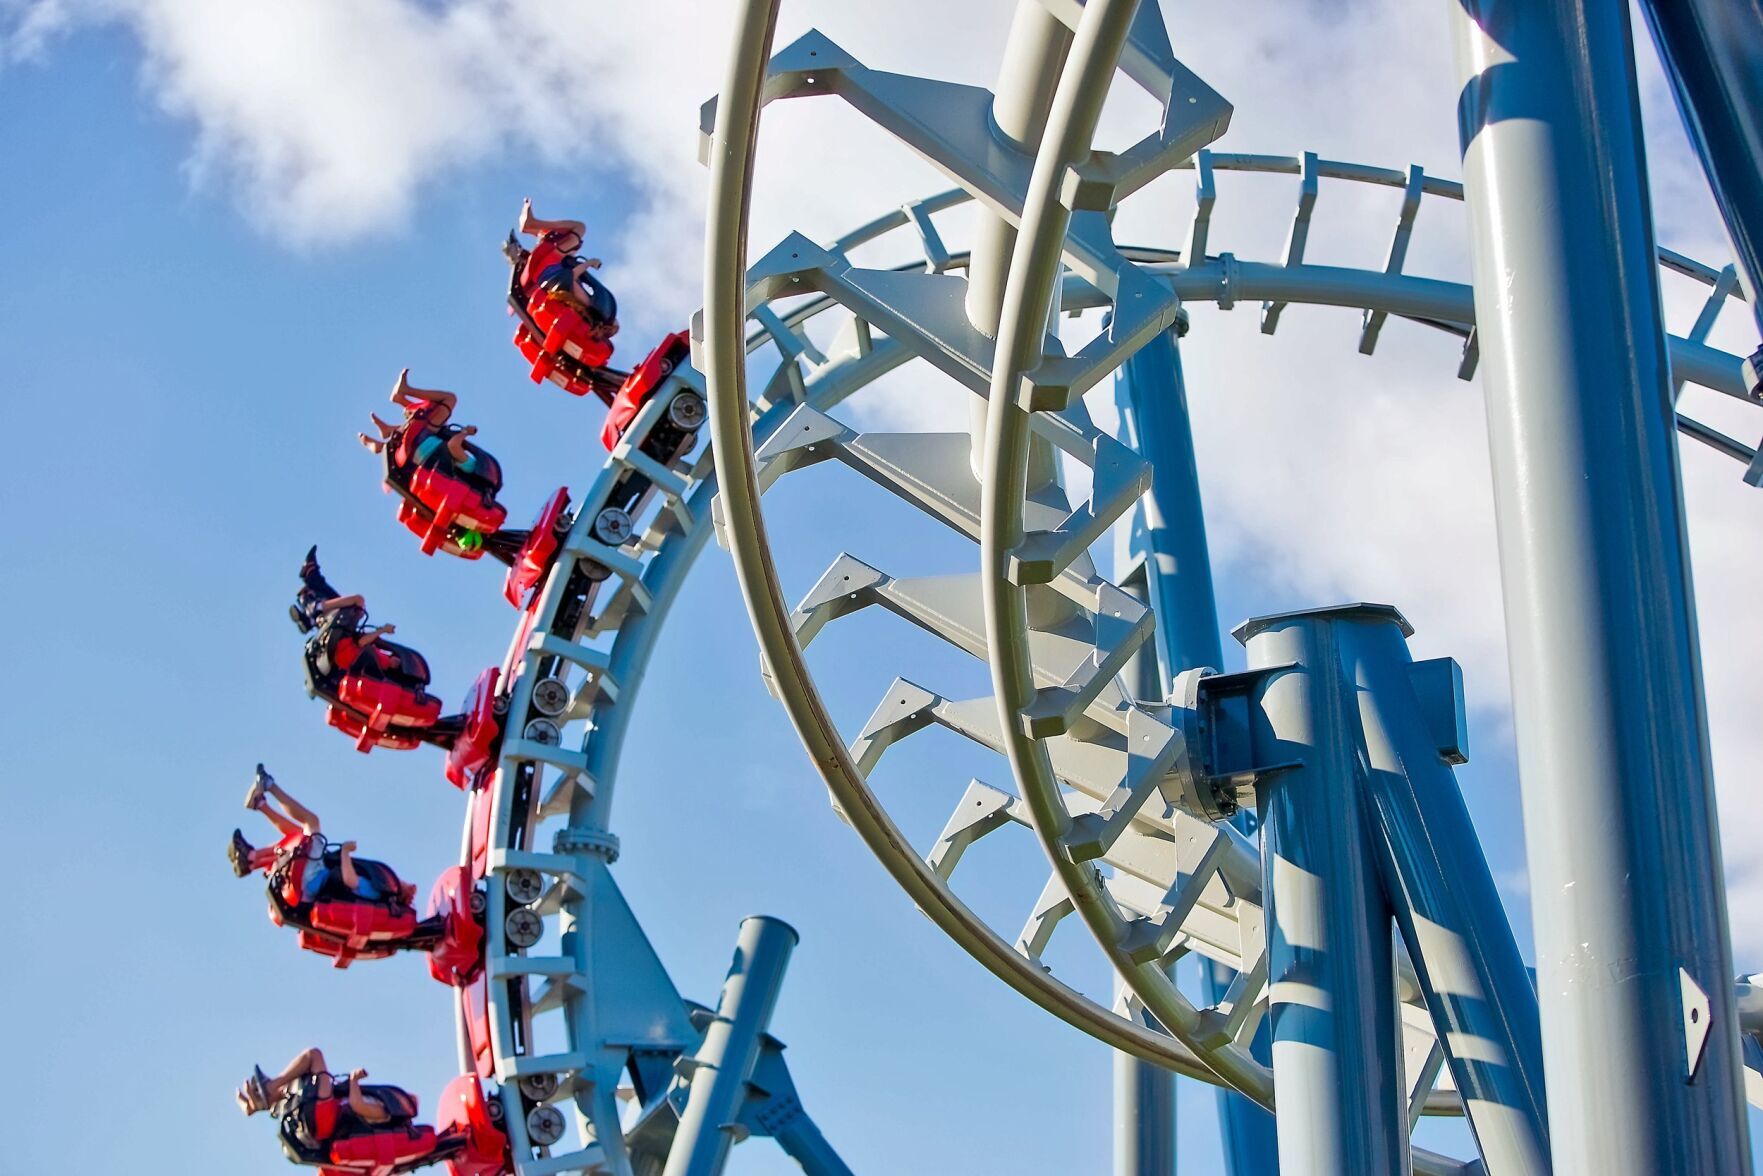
(1169, 537)
(1331, 996)
(1626, 882)
(1713, 52)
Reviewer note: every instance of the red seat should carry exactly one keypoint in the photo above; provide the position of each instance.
(382, 1152)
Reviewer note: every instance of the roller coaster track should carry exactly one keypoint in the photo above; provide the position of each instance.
(1053, 631)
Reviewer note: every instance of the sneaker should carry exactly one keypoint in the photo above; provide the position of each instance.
(239, 853)
(1753, 373)
(253, 1095)
(259, 782)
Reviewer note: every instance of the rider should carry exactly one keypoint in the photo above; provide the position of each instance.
(316, 1107)
(302, 848)
(558, 288)
(557, 239)
(339, 620)
(423, 436)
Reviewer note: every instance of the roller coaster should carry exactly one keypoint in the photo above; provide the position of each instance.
(1296, 826)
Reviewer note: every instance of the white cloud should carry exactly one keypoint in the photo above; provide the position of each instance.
(1328, 475)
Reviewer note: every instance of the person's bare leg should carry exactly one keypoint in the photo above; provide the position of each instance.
(535, 225)
(260, 1092)
(284, 824)
(346, 866)
(404, 391)
(307, 1062)
(303, 818)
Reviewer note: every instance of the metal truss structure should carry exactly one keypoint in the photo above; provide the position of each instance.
(574, 1011)
(1365, 972)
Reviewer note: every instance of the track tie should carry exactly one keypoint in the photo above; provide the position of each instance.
(589, 1159)
(1051, 907)
(509, 967)
(1148, 938)
(1152, 749)
(573, 762)
(982, 809)
(557, 865)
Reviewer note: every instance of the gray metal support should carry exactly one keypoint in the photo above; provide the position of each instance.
(1168, 542)
(1612, 734)
(725, 1060)
(1471, 975)
(1033, 54)
(1331, 967)
(1713, 52)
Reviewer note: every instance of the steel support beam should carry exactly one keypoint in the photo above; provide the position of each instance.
(1166, 553)
(802, 1141)
(1144, 1110)
(1034, 52)
(1446, 905)
(1331, 961)
(1628, 902)
(1713, 52)
(724, 1062)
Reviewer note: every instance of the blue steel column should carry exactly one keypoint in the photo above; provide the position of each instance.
(1713, 52)
(723, 1065)
(1474, 981)
(1144, 1112)
(1331, 968)
(1169, 533)
(1606, 683)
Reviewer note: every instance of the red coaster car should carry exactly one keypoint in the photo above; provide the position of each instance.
(381, 699)
(458, 956)
(562, 344)
(527, 568)
(324, 1134)
(685, 413)
(445, 506)
(475, 745)
(306, 892)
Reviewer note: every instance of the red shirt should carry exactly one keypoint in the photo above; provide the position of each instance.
(346, 652)
(544, 255)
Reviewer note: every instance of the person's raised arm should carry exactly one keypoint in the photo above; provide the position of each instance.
(353, 600)
(456, 443)
(372, 635)
(368, 1110)
(346, 865)
(534, 226)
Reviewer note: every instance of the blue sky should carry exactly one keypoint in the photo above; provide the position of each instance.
(204, 297)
